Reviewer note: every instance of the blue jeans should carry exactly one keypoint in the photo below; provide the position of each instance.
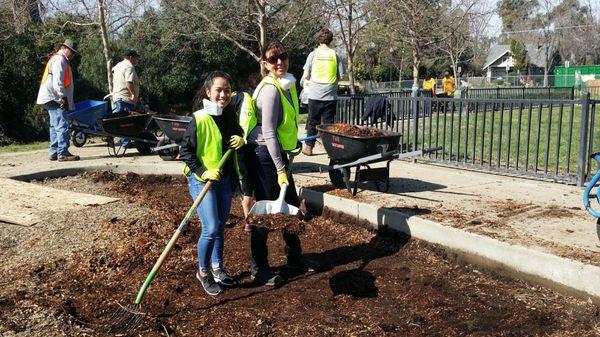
(121, 105)
(263, 178)
(213, 212)
(60, 130)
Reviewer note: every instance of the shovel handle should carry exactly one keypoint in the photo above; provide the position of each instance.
(178, 232)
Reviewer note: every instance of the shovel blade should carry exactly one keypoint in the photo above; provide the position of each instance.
(272, 207)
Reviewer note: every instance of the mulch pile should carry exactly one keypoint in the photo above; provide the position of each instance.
(353, 130)
(289, 223)
(367, 284)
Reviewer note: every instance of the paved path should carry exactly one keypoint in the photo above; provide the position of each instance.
(546, 216)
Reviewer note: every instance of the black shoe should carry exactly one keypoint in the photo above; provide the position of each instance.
(53, 157)
(68, 157)
(208, 283)
(268, 279)
(221, 277)
(302, 266)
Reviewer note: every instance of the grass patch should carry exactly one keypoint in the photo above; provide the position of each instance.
(24, 147)
(537, 138)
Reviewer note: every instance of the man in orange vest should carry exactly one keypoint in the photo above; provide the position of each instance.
(56, 96)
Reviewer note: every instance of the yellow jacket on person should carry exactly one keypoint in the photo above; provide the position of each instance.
(448, 85)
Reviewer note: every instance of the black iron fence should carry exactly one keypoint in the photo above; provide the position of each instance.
(521, 92)
(544, 138)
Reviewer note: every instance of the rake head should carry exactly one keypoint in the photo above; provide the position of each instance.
(125, 320)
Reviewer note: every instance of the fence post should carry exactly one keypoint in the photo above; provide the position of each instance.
(497, 92)
(583, 155)
(415, 111)
(573, 92)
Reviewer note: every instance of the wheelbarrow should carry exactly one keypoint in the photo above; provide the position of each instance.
(84, 120)
(173, 127)
(131, 127)
(360, 152)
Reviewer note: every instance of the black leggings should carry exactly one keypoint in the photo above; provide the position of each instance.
(263, 178)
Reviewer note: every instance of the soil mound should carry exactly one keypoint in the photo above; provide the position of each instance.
(369, 283)
(355, 131)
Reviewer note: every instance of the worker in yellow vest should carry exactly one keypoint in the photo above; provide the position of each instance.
(214, 129)
(324, 68)
(271, 131)
(56, 96)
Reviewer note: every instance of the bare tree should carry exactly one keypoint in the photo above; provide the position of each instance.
(107, 15)
(464, 38)
(247, 24)
(350, 17)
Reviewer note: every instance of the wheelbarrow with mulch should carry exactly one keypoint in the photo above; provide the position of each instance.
(350, 146)
(130, 126)
(173, 127)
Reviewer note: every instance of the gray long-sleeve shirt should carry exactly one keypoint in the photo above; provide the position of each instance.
(53, 89)
(269, 114)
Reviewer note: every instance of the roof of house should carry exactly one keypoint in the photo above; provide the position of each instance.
(536, 55)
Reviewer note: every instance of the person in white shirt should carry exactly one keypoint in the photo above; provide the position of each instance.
(126, 83)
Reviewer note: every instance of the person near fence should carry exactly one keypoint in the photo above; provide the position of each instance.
(324, 68)
(56, 97)
(430, 85)
(214, 129)
(448, 85)
(272, 132)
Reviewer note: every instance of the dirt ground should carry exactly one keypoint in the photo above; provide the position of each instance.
(66, 276)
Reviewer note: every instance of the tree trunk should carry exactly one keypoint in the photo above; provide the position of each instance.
(416, 64)
(350, 51)
(350, 65)
(105, 45)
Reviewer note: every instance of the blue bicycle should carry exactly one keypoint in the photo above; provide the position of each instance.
(591, 191)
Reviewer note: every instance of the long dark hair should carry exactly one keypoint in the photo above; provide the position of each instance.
(229, 113)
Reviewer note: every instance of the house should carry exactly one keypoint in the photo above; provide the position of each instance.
(499, 61)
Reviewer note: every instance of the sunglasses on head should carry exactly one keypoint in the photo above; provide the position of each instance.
(273, 59)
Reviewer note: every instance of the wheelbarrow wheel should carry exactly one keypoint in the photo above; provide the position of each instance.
(167, 154)
(78, 138)
(337, 177)
(143, 147)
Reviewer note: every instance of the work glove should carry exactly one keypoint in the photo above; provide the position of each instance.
(282, 178)
(64, 103)
(236, 142)
(214, 175)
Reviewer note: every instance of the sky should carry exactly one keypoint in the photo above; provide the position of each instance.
(495, 25)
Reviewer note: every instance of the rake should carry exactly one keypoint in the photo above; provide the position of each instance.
(127, 318)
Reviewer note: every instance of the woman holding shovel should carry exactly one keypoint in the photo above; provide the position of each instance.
(271, 132)
(214, 129)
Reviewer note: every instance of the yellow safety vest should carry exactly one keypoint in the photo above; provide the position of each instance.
(247, 115)
(287, 130)
(209, 143)
(67, 77)
(324, 66)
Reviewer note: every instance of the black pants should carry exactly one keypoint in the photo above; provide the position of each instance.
(319, 112)
(263, 178)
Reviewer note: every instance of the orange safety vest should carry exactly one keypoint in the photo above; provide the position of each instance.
(67, 79)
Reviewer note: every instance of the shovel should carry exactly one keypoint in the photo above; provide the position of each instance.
(127, 318)
(265, 207)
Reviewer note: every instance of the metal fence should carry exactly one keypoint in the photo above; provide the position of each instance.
(521, 92)
(543, 138)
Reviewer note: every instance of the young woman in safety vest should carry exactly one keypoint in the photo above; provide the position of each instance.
(271, 130)
(214, 129)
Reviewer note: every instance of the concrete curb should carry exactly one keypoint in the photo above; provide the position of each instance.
(561, 274)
